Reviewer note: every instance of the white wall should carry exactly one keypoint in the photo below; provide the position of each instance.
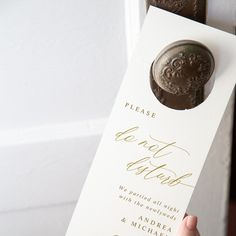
(42, 221)
(56, 59)
(61, 63)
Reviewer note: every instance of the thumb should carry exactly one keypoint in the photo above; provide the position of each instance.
(188, 226)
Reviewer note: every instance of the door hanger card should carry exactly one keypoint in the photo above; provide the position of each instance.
(151, 155)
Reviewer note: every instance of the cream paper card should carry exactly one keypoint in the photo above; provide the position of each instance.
(150, 156)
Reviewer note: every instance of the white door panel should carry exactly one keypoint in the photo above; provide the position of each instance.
(60, 61)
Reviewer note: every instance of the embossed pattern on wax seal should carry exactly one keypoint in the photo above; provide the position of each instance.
(180, 72)
(183, 66)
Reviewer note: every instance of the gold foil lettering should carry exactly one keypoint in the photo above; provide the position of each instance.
(150, 166)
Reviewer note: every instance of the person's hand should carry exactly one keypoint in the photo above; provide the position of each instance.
(188, 227)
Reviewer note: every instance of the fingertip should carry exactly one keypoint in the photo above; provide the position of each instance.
(191, 223)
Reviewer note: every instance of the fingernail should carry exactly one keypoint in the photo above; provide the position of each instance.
(191, 222)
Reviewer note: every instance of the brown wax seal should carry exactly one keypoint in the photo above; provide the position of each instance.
(180, 74)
